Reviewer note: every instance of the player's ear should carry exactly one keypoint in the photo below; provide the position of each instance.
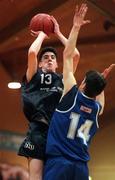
(40, 64)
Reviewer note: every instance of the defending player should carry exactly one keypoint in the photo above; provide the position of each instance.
(75, 121)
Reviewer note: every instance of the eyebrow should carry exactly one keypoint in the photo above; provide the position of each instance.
(45, 55)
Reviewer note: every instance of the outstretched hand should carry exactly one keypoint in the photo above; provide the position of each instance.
(79, 16)
(56, 25)
(106, 72)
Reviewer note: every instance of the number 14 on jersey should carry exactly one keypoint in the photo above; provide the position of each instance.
(82, 131)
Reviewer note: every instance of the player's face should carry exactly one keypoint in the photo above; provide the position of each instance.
(48, 62)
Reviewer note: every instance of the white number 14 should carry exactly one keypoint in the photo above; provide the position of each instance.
(82, 132)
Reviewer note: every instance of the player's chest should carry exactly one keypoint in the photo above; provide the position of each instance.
(49, 82)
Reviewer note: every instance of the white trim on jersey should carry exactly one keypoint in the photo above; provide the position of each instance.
(97, 115)
(71, 106)
(97, 111)
(86, 96)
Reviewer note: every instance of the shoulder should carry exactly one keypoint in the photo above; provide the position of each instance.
(68, 99)
(36, 75)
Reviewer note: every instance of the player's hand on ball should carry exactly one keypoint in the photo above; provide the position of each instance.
(36, 33)
(56, 25)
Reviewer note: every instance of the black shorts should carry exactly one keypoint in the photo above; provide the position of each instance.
(34, 145)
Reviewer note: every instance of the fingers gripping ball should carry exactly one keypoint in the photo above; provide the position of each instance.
(42, 22)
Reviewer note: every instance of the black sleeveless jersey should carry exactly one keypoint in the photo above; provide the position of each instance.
(41, 95)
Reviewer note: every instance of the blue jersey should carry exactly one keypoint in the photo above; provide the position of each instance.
(73, 125)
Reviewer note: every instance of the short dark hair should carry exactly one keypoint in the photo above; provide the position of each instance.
(95, 83)
(47, 49)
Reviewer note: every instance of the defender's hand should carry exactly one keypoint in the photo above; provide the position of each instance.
(106, 72)
(79, 16)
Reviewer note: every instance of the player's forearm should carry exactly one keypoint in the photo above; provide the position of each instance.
(36, 45)
(64, 40)
(106, 72)
(101, 99)
(71, 43)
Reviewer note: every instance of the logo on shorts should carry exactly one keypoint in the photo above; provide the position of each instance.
(28, 145)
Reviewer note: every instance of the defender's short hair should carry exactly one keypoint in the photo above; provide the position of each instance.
(95, 83)
(47, 49)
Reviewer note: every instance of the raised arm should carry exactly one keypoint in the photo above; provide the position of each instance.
(68, 54)
(32, 55)
(63, 39)
(106, 72)
(101, 99)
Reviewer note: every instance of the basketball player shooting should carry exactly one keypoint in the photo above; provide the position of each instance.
(39, 98)
(41, 91)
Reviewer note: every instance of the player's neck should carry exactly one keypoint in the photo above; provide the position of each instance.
(48, 71)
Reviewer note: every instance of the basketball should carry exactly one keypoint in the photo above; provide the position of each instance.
(42, 22)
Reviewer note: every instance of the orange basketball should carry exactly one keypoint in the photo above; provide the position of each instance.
(42, 22)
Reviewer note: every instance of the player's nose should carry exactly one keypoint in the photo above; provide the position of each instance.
(50, 59)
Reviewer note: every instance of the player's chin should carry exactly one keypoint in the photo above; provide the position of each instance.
(50, 69)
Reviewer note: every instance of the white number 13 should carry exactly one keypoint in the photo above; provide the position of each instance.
(46, 78)
(82, 132)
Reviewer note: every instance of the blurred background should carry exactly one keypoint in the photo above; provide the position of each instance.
(96, 44)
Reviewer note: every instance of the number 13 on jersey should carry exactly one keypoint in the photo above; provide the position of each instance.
(46, 78)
